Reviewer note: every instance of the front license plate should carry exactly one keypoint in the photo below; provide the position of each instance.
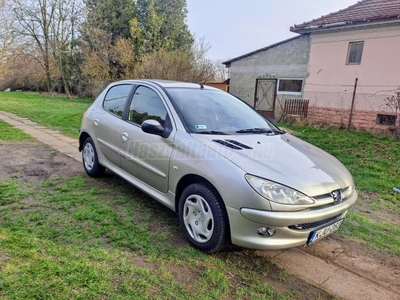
(323, 232)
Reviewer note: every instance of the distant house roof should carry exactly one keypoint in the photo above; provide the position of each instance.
(259, 50)
(362, 12)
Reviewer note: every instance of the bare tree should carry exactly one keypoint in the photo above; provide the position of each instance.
(6, 34)
(6, 27)
(203, 70)
(63, 30)
(46, 29)
(220, 71)
(34, 20)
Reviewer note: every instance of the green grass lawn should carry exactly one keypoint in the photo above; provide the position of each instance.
(82, 238)
(9, 133)
(55, 112)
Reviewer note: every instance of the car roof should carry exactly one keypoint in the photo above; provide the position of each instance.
(169, 83)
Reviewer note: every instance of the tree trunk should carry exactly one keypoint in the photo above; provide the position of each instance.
(66, 86)
(62, 72)
(48, 74)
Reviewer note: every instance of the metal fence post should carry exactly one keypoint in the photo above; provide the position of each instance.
(352, 104)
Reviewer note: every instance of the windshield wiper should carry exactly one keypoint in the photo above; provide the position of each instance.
(255, 130)
(260, 131)
(211, 132)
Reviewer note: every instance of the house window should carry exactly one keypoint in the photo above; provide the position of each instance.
(386, 120)
(355, 52)
(290, 86)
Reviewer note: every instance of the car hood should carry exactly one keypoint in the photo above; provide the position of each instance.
(282, 158)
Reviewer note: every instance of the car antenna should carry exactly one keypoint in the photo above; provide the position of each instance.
(201, 86)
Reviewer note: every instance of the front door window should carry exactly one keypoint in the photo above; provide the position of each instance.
(146, 105)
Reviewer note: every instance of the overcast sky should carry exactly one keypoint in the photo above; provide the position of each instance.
(236, 27)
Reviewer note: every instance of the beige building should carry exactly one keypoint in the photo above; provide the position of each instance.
(359, 42)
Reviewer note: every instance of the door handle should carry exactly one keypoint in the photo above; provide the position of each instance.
(125, 136)
(96, 121)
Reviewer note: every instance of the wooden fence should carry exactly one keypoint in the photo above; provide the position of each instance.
(296, 107)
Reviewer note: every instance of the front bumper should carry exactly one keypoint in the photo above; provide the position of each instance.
(245, 222)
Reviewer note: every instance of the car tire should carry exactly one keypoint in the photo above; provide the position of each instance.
(203, 218)
(90, 159)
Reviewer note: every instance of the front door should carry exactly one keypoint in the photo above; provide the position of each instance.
(265, 96)
(146, 156)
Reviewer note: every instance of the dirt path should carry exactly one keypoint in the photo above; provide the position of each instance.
(341, 268)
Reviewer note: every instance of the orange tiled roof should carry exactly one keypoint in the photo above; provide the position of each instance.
(362, 11)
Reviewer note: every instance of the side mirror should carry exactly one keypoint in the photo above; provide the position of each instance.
(153, 127)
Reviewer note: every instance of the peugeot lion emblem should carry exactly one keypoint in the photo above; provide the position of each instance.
(337, 196)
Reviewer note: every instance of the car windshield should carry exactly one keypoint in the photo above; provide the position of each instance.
(215, 112)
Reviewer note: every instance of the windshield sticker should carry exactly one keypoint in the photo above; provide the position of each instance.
(200, 127)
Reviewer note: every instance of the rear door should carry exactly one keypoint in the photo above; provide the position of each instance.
(146, 156)
(108, 122)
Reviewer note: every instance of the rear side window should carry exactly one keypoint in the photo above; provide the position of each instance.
(146, 104)
(115, 99)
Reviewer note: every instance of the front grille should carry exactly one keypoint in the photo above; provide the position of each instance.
(327, 198)
(307, 226)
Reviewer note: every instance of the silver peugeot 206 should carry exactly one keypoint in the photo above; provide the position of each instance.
(230, 174)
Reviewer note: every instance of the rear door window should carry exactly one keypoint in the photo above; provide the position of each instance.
(115, 99)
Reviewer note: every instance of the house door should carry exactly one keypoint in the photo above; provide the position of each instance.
(265, 96)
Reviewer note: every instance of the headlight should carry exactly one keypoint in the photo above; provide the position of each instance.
(278, 193)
